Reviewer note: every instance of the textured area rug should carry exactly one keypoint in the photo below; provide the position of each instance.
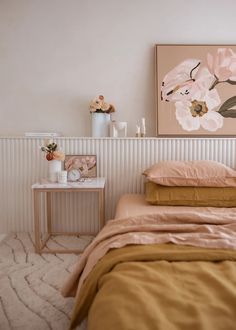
(30, 283)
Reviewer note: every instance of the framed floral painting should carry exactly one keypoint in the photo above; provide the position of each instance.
(80, 166)
(196, 90)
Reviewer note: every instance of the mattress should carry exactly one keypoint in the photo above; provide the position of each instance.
(131, 205)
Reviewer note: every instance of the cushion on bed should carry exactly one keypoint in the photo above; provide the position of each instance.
(191, 173)
(190, 196)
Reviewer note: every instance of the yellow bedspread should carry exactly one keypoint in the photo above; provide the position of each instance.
(160, 287)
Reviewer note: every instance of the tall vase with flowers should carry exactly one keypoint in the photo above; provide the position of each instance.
(100, 116)
(54, 157)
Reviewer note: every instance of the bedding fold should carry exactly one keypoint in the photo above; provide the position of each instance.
(204, 227)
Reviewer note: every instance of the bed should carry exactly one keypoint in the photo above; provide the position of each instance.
(158, 267)
(134, 204)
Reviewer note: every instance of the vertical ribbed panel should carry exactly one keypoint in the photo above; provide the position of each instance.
(121, 161)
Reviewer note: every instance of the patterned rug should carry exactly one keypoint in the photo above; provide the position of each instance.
(30, 283)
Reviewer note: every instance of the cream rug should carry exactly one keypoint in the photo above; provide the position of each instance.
(30, 284)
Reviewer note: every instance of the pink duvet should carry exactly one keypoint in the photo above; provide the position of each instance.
(196, 226)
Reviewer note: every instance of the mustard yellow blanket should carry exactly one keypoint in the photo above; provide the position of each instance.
(160, 287)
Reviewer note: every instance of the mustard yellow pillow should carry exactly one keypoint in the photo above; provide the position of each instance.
(202, 173)
(190, 196)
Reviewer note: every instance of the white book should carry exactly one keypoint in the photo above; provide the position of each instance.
(42, 134)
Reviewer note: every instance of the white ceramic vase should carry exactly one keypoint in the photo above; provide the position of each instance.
(100, 124)
(54, 166)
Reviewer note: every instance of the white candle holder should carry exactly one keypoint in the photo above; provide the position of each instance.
(62, 177)
(118, 129)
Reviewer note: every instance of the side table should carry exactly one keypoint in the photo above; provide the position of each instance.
(91, 185)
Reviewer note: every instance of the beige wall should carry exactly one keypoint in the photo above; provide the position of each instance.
(55, 55)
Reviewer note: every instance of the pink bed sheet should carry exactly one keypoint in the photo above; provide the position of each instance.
(195, 226)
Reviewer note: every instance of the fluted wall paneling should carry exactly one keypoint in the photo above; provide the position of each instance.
(121, 161)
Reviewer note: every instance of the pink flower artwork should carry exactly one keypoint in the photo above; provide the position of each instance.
(85, 164)
(192, 87)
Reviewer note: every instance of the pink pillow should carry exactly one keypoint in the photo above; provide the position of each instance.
(202, 173)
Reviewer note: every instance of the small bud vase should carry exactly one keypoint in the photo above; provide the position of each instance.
(100, 124)
(54, 166)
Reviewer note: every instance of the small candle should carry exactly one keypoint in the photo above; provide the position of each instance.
(137, 131)
(62, 177)
(143, 128)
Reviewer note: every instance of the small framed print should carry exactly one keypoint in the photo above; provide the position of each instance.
(80, 166)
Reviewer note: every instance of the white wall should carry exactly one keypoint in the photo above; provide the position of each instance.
(55, 55)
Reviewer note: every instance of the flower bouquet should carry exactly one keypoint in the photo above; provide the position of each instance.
(100, 106)
(50, 148)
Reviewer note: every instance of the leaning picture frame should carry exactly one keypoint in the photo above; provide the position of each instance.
(80, 167)
(195, 88)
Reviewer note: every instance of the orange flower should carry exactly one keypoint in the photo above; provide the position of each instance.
(58, 155)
